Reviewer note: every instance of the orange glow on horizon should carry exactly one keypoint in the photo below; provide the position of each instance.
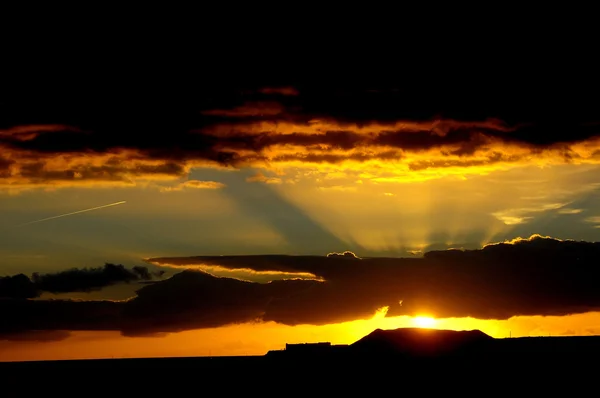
(258, 338)
(424, 322)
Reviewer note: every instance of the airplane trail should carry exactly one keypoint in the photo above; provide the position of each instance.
(70, 214)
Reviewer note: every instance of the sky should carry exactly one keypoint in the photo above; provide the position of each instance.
(229, 216)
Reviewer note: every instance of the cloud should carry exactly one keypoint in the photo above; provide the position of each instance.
(31, 315)
(525, 276)
(346, 254)
(29, 132)
(194, 184)
(147, 138)
(17, 286)
(279, 90)
(260, 177)
(511, 220)
(567, 210)
(250, 109)
(245, 274)
(36, 335)
(518, 216)
(87, 279)
(73, 280)
(194, 299)
(593, 219)
(188, 300)
(340, 188)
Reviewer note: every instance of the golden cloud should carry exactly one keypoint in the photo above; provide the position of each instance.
(193, 184)
(260, 177)
(53, 156)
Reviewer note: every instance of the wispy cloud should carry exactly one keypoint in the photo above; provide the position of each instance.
(523, 215)
(193, 184)
(593, 220)
(568, 210)
(260, 177)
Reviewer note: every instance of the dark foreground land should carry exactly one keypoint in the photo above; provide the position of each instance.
(440, 359)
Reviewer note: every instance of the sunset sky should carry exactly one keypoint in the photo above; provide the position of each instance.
(233, 202)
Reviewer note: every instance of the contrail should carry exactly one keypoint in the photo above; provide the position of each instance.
(70, 214)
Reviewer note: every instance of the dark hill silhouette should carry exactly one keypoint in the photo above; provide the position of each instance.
(420, 342)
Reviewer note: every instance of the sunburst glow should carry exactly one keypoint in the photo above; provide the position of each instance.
(424, 322)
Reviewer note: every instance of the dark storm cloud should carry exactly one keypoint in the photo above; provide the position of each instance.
(192, 299)
(72, 280)
(87, 279)
(28, 315)
(188, 300)
(77, 136)
(17, 286)
(535, 276)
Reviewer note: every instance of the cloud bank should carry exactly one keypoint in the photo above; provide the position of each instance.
(73, 280)
(533, 276)
(65, 140)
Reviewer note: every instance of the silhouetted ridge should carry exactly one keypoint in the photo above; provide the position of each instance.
(419, 342)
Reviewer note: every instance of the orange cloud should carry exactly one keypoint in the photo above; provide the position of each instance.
(24, 170)
(245, 274)
(194, 184)
(260, 177)
(282, 129)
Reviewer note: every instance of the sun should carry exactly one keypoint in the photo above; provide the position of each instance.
(424, 321)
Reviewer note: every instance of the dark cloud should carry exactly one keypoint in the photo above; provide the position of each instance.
(191, 300)
(28, 315)
(17, 286)
(248, 110)
(535, 276)
(188, 300)
(72, 280)
(87, 279)
(36, 335)
(154, 133)
(5, 167)
(279, 90)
